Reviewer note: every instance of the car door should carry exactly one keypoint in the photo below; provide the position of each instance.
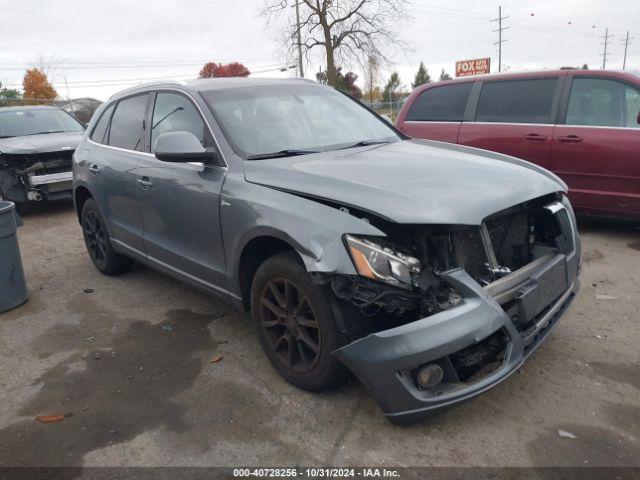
(436, 113)
(113, 163)
(180, 202)
(515, 117)
(596, 148)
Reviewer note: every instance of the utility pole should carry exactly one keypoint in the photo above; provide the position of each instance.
(606, 42)
(626, 42)
(73, 110)
(500, 40)
(298, 28)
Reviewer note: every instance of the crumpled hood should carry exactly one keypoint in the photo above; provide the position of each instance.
(412, 181)
(43, 143)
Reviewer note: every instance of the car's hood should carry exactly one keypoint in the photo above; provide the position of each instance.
(411, 181)
(47, 142)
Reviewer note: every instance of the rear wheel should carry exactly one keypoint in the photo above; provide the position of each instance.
(98, 244)
(295, 324)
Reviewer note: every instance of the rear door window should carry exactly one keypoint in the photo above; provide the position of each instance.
(603, 102)
(446, 103)
(101, 127)
(126, 129)
(517, 101)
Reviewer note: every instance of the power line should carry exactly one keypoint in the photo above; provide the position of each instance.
(626, 43)
(114, 82)
(606, 38)
(500, 41)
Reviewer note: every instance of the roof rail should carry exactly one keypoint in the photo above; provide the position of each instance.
(147, 85)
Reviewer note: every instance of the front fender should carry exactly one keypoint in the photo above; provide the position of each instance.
(313, 229)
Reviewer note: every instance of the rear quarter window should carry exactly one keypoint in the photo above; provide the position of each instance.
(442, 103)
(517, 101)
(100, 129)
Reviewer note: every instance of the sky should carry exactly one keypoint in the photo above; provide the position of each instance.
(96, 48)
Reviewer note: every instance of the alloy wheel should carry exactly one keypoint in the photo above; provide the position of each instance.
(95, 237)
(290, 325)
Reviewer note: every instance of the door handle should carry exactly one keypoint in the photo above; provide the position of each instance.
(570, 139)
(535, 137)
(145, 183)
(95, 169)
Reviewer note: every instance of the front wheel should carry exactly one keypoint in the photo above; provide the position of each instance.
(295, 324)
(98, 244)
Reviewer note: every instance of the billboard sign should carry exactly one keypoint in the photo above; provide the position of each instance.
(477, 66)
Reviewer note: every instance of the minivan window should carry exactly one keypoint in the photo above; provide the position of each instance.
(172, 113)
(101, 127)
(517, 101)
(444, 103)
(126, 124)
(603, 102)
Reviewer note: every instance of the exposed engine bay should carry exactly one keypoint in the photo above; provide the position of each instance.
(36, 176)
(505, 242)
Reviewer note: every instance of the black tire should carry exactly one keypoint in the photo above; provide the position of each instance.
(307, 303)
(96, 239)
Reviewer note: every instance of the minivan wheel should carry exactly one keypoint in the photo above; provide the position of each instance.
(295, 324)
(96, 239)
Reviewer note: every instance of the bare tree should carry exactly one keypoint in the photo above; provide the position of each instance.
(346, 30)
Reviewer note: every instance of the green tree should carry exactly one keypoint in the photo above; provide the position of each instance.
(444, 75)
(344, 82)
(422, 76)
(585, 66)
(9, 96)
(392, 86)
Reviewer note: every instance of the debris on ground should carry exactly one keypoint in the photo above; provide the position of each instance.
(603, 296)
(168, 328)
(88, 290)
(96, 356)
(91, 339)
(51, 418)
(599, 337)
(565, 434)
(216, 359)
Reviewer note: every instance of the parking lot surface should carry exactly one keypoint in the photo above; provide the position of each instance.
(134, 364)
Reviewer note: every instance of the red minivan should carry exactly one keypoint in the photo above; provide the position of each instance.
(583, 125)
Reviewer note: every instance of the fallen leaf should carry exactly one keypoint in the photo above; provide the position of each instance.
(565, 434)
(216, 359)
(50, 418)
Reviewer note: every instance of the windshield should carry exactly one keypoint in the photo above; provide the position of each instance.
(17, 123)
(286, 120)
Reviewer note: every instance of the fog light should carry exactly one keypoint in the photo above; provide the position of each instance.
(429, 375)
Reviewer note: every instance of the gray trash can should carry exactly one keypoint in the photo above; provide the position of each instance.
(13, 288)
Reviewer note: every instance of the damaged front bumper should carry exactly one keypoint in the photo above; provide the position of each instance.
(386, 361)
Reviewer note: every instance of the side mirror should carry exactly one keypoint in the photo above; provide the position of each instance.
(182, 147)
(638, 118)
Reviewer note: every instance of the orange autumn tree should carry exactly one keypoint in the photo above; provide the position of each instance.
(36, 86)
(213, 70)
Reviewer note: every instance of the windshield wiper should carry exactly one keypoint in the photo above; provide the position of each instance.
(365, 143)
(44, 133)
(281, 153)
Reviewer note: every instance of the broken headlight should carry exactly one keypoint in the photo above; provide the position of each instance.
(380, 262)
